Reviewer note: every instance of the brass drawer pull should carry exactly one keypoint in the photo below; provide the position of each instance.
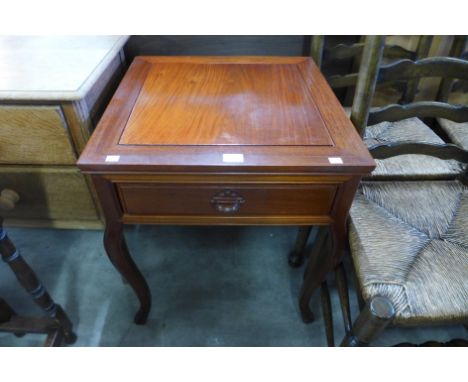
(8, 199)
(227, 201)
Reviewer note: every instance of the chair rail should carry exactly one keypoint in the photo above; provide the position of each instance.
(423, 109)
(447, 67)
(346, 51)
(441, 151)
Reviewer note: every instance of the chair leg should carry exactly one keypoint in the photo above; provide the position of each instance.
(342, 286)
(361, 302)
(360, 299)
(375, 316)
(296, 256)
(327, 314)
(30, 282)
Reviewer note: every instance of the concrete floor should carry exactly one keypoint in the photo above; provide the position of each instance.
(211, 286)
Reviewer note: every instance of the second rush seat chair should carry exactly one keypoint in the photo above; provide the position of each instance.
(409, 248)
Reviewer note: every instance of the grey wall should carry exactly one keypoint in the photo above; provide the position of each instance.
(217, 45)
(235, 46)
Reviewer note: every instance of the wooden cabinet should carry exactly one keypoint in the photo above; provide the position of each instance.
(53, 91)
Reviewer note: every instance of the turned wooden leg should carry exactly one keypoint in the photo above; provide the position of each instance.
(315, 273)
(327, 313)
(116, 248)
(29, 281)
(375, 316)
(296, 257)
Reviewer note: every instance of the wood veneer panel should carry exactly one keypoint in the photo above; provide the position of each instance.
(225, 104)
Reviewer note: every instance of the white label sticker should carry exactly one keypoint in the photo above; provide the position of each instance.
(112, 158)
(233, 158)
(335, 160)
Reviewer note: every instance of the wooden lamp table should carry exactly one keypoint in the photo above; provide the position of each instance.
(223, 141)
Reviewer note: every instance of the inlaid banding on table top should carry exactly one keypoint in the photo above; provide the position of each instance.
(225, 104)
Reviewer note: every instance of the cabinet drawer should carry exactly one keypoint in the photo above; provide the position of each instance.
(34, 135)
(226, 200)
(61, 194)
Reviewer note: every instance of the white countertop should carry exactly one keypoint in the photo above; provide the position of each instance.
(53, 67)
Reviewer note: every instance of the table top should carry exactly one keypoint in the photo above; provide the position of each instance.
(225, 113)
(230, 104)
(53, 67)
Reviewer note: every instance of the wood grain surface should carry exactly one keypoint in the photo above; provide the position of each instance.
(123, 123)
(225, 104)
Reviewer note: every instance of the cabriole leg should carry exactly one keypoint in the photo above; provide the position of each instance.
(296, 257)
(116, 248)
(327, 313)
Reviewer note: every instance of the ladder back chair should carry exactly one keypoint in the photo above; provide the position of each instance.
(455, 92)
(405, 123)
(409, 249)
(402, 91)
(408, 236)
(370, 53)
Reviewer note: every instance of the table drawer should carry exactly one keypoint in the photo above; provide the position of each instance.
(34, 135)
(49, 194)
(227, 200)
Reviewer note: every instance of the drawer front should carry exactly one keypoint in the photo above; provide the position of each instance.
(227, 200)
(34, 135)
(48, 194)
